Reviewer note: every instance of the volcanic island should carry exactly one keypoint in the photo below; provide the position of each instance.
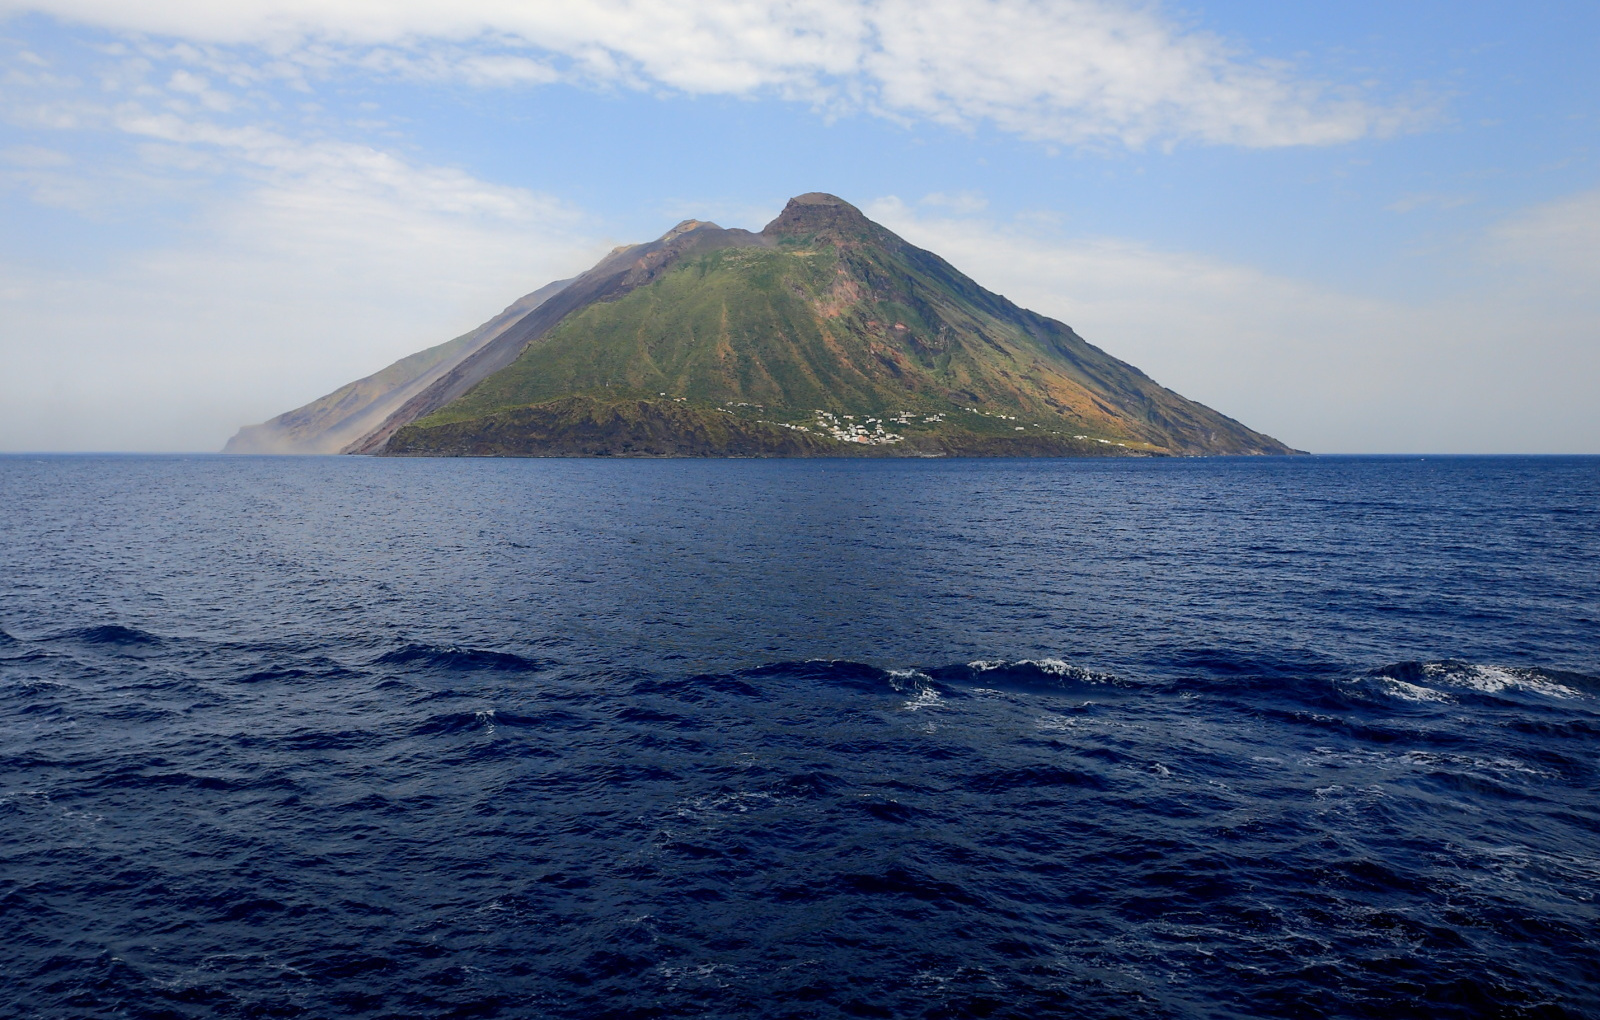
(823, 335)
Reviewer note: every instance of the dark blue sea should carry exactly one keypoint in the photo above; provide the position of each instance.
(343, 737)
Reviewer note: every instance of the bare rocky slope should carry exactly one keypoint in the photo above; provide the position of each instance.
(331, 423)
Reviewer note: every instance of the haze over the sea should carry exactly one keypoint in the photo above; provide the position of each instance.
(1363, 227)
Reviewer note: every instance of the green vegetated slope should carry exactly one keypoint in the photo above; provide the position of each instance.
(837, 338)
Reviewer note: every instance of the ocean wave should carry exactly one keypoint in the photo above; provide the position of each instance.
(926, 685)
(1021, 675)
(702, 686)
(1006, 826)
(1442, 681)
(458, 658)
(113, 635)
(827, 672)
(447, 723)
(320, 671)
(16, 652)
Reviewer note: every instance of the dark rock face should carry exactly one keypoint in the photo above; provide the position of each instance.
(590, 427)
(817, 214)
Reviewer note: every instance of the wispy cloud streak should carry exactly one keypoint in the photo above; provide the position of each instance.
(1075, 72)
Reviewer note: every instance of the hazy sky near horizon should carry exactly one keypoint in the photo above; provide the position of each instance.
(1360, 227)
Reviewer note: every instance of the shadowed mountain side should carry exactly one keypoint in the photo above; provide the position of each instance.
(330, 423)
(583, 426)
(834, 326)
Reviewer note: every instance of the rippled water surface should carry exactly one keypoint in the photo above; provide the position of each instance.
(329, 737)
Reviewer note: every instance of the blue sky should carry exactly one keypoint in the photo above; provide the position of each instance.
(1360, 227)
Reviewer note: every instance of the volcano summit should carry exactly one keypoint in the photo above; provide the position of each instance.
(823, 335)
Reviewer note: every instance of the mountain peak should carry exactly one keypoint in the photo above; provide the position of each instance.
(686, 226)
(821, 198)
(817, 212)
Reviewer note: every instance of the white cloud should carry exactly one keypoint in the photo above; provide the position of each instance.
(1067, 71)
(337, 260)
(1506, 368)
(359, 172)
(957, 201)
(294, 265)
(1559, 240)
(34, 157)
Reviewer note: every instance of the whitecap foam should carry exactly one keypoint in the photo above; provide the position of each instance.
(1056, 723)
(1388, 761)
(1495, 679)
(1466, 761)
(1050, 667)
(1059, 667)
(1411, 692)
(698, 973)
(737, 802)
(1422, 681)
